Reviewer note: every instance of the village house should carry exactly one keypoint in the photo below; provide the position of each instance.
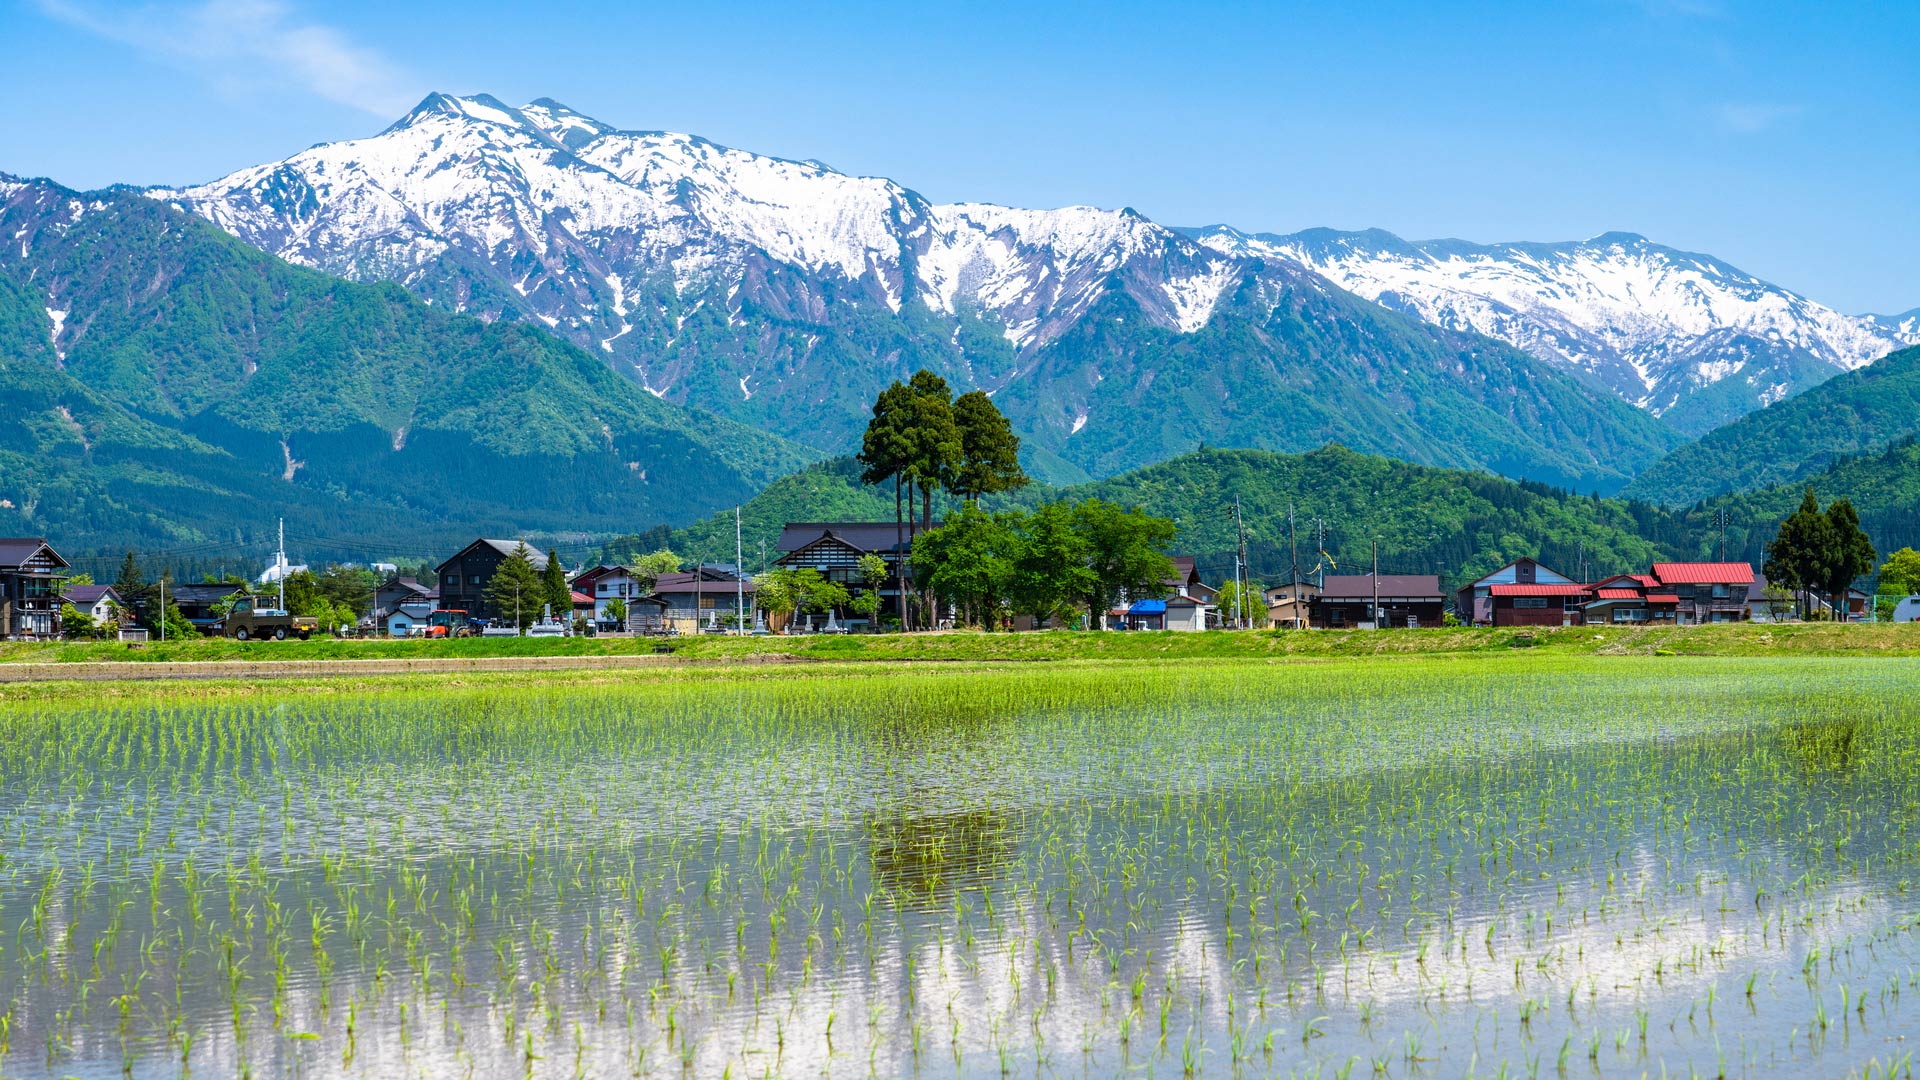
(1629, 599)
(595, 591)
(1525, 592)
(463, 578)
(30, 577)
(705, 597)
(1400, 601)
(834, 548)
(1706, 592)
(1291, 604)
(97, 602)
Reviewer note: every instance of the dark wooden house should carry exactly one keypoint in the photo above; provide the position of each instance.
(1400, 601)
(31, 574)
(463, 578)
(834, 549)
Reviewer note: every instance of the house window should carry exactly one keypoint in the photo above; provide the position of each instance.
(706, 601)
(1529, 601)
(1719, 592)
(453, 579)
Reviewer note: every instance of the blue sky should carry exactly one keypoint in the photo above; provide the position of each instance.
(1783, 138)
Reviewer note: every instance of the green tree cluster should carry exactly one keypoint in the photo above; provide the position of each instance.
(1820, 551)
(1088, 554)
(922, 439)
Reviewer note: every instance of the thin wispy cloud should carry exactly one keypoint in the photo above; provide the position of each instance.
(1749, 118)
(243, 44)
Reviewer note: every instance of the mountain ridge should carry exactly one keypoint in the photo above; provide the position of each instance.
(1683, 334)
(1859, 412)
(784, 295)
(178, 386)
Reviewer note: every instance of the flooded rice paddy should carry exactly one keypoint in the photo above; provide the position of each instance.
(1614, 867)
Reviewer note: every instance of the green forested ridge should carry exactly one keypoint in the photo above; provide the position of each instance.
(1294, 364)
(197, 389)
(1794, 439)
(1454, 522)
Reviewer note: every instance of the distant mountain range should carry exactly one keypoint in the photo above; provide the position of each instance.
(1846, 416)
(170, 387)
(1689, 338)
(784, 294)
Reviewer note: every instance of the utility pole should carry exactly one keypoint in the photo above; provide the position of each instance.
(163, 606)
(739, 581)
(1293, 583)
(1246, 577)
(280, 564)
(1376, 583)
(1720, 522)
(1239, 567)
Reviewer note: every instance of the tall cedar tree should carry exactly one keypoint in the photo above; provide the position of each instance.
(1850, 557)
(884, 453)
(559, 593)
(989, 450)
(933, 438)
(1797, 555)
(515, 583)
(131, 586)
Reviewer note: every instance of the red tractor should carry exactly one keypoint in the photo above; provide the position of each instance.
(450, 623)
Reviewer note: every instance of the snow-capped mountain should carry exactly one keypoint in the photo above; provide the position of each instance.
(1686, 336)
(595, 226)
(785, 294)
(1905, 326)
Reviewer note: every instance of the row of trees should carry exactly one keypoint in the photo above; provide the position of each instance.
(923, 439)
(1047, 563)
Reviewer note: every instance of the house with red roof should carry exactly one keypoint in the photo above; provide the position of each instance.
(1673, 594)
(1525, 592)
(1706, 592)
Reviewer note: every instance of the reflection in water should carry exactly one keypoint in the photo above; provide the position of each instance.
(925, 859)
(1411, 870)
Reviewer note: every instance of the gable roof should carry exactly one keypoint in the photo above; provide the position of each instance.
(88, 595)
(1360, 586)
(877, 536)
(1540, 568)
(682, 581)
(16, 550)
(1703, 573)
(1539, 588)
(506, 548)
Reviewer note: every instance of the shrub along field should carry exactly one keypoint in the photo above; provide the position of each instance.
(1528, 863)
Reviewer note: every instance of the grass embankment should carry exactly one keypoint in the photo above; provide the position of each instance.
(1747, 639)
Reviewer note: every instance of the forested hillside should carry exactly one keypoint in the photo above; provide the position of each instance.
(1794, 439)
(173, 388)
(1449, 521)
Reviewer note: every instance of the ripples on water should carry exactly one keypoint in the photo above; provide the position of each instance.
(1604, 867)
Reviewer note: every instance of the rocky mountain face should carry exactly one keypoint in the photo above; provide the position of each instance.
(168, 385)
(784, 294)
(1687, 337)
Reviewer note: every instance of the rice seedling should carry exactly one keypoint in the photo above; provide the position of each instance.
(1423, 865)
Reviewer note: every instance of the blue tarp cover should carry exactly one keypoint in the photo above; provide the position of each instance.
(1148, 607)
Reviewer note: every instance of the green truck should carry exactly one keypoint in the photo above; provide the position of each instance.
(254, 617)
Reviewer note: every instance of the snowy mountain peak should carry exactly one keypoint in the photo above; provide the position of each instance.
(1684, 335)
(564, 205)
